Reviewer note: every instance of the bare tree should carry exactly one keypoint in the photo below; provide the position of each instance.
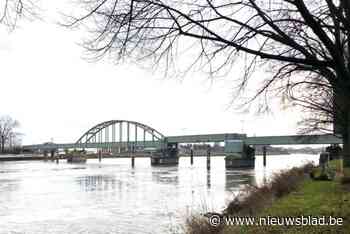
(7, 131)
(12, 10)
(304, 44)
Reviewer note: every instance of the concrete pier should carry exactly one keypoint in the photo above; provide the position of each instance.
(237, 163)
(132, 161)
(264, 156)
(167, 156)
(239, 155)
(76, 158)
(167, 161)
(208, 158)
(45, 154)
(191, 156)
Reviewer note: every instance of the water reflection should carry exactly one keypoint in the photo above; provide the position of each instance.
(208, 179)
(9, 185)
(166, 175)
(9, 171)
(237, 178)
(112, 197)
(98, 182)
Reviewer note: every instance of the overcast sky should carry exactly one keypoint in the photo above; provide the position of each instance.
(55, 93)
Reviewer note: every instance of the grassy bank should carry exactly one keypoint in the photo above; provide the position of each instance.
(291, 193)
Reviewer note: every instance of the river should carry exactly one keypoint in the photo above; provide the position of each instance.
(39, 197)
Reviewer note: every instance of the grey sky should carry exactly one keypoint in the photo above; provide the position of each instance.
(54, 93)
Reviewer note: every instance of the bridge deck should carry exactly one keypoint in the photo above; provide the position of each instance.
(293, 140)
(260, 140)
(206, 138)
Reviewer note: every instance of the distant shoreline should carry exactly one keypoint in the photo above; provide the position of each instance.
(23, 157)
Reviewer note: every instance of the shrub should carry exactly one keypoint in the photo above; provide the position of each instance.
(253, 198)
(198, 224)
(287, 181)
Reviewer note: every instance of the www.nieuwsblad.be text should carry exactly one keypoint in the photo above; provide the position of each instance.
(217, 219)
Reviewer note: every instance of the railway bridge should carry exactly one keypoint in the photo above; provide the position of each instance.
(124, 136)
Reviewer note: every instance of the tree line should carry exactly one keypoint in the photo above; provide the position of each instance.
(9, 137)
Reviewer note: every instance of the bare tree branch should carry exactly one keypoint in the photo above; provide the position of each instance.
(13, 10)
(303, 44)
(7, 131)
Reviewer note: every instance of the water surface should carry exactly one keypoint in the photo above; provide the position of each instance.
(39, 197)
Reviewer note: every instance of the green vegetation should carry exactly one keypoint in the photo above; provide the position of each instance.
(315, 198)
(290, 194)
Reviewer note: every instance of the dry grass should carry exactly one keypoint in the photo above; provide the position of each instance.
(198, 224)
(252, 199)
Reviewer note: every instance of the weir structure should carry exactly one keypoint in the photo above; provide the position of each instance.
(131, 138)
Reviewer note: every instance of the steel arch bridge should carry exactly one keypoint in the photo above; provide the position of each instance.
(121, 135)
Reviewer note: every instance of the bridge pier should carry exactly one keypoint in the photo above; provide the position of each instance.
(52, 154)
(191, 156)
(264, 156)
(132, 161)
(239, 155)
(99, 156)
(45, 154)
(133, 150)
(167, 156)
(208, 158)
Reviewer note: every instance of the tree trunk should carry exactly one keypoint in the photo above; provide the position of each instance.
(346, 151)
(346, 140)
(342, 122)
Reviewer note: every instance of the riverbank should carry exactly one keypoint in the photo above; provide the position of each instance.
(20, 157)
(309, 198)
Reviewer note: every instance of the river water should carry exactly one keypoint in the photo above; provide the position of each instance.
(39, 197)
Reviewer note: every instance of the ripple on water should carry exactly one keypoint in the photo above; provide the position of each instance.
(112, 197)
